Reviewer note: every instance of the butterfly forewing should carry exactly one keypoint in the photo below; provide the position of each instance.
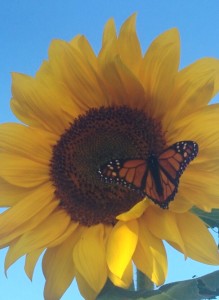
(124, 171)
(136, 170)
(172, 162)
(175, 159)
(157, 176)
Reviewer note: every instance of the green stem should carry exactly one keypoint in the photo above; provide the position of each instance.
(143, 282)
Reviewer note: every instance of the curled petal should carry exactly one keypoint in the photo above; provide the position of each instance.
(118, 257)
(135, 212)
(126, 279)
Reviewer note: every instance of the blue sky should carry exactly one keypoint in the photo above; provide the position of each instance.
(26, 30)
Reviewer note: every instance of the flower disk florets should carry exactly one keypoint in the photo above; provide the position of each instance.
(92, 140)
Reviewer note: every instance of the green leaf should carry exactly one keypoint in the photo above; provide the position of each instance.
(211, 219)
(205, 287)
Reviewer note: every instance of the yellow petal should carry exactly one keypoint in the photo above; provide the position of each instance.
(163, 224)
(31, 260)
(150, 255)
(201, 125)
(159, 68)
(78, 75)
(89, 257)
(121, 246)
(58, 268)
(109, 33)
(31, 102)
(25, 209)
(181, 203)
(86, 291)
(109, 44)
(135, 212)
(25, 227)
(69, 231)
(11, 194)
(129, 46)
(199, 191)
(216, 81)
(198, 241)
(39, 237)
(23, 172)
(81, 44)
(65, 102)
(194, 87)
(28, 142)
(124, 88)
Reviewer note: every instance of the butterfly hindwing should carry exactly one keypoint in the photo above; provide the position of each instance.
(156, 177)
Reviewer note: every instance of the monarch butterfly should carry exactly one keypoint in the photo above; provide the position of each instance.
(157, 177)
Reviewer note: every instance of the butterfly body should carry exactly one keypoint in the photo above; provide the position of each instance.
(153, 166)
(156, 177)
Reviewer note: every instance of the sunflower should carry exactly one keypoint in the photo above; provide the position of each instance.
(82, 116)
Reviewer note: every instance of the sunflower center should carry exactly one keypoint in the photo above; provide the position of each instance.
(94, 139)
